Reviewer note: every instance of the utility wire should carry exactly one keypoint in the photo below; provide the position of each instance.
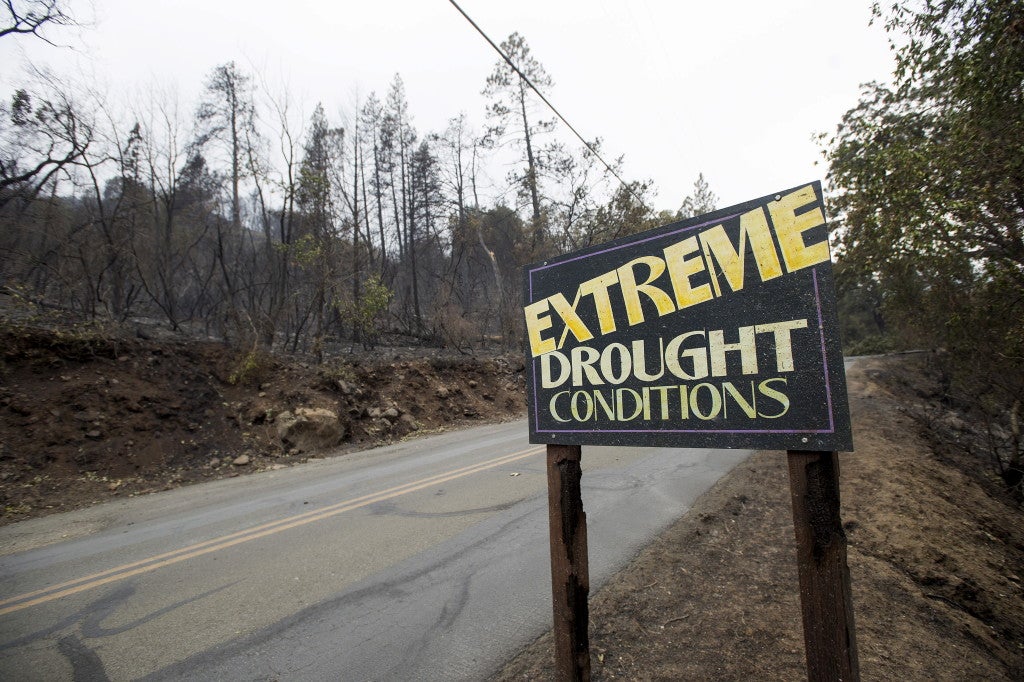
(550, 106)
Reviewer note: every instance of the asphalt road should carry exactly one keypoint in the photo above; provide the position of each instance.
(427, 560)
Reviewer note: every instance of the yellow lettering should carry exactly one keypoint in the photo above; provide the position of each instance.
(716, 243)
(572, 321)
(783, 342)
(712, 251)
(717, 348)
(631, 290)
(602, 302)
(755, 224)
(680, 270)
(536, 323)
(790, 228)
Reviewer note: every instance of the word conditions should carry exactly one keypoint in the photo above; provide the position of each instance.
(710, 251)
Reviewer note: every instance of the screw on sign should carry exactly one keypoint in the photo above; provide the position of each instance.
(718, 331)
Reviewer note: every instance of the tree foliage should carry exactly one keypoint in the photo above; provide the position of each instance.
(928, 175)
(517, 120)
(934, 166)
(42, 131)
(365, 313)
(702, 200)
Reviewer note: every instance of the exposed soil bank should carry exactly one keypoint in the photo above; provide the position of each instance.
(84, 418)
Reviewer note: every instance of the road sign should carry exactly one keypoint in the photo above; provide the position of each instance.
(716, 331)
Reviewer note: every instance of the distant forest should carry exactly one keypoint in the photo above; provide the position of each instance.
(239, 222)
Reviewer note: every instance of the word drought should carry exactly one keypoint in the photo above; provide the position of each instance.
(774, 231)
(689, 356)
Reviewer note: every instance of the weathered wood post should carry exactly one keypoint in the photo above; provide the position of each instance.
(825, 595)
(570, 574)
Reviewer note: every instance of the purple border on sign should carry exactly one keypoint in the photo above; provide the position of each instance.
(821, 331)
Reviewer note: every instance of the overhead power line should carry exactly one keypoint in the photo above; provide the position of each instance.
(550, 106)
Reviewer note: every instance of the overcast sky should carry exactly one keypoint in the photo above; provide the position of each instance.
(735, 90)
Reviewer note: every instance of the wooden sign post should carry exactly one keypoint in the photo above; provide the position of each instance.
(825, 599)
(570, 574)
(719, 331)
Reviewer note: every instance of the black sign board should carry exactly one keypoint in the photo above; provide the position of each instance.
(717, 331)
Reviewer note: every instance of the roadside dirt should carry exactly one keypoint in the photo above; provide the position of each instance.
(936, 553)
(86, 418)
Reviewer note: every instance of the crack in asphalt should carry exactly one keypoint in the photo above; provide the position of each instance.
(450, 612)
(86, 665)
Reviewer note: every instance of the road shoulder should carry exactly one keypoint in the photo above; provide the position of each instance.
(934, 553)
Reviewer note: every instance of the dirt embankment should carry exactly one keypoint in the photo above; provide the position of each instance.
(936, 553)
(84, 418)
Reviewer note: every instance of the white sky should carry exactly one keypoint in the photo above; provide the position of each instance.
(735, 90)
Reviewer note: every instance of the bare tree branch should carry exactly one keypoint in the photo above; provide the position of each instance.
(33, 17)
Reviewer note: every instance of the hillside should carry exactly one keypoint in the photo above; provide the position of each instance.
(87, 417)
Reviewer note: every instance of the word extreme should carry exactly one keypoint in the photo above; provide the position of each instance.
(709, 251)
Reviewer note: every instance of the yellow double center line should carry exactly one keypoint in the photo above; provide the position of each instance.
(89, 582)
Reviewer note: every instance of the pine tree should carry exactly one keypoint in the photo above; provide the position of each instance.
(702, 200)
(512, 112)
